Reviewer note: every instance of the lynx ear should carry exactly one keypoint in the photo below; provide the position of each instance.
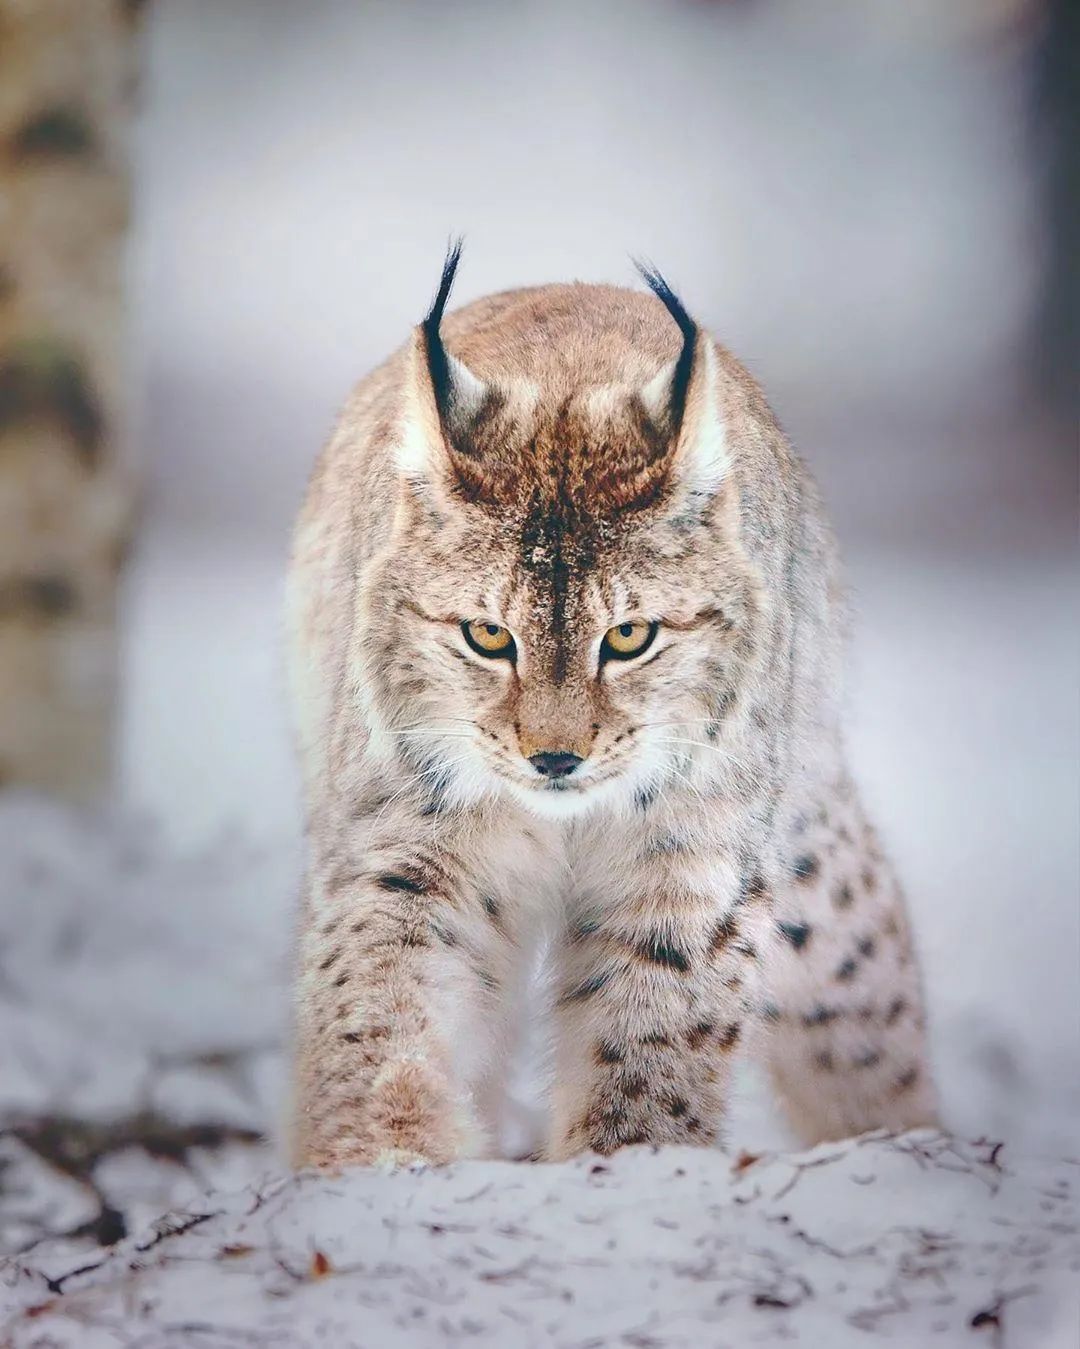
(441, 394)
(683, 399)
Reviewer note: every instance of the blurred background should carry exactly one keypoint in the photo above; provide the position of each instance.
(215, 217)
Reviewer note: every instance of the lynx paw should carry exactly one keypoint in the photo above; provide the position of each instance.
(408, 1116)
(400, 1159)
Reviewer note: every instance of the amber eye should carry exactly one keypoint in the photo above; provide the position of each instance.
(628, 640)
(489, 639)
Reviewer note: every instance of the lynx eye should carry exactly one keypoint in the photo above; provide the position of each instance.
(628, 640)
(489, 639)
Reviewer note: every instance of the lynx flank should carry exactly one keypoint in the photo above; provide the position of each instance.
(566, 634)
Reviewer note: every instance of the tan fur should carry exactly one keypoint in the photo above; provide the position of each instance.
(705, 873)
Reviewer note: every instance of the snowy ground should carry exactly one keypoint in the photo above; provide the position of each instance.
(915, 1241)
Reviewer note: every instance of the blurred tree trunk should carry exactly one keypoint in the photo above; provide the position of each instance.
(66, 480)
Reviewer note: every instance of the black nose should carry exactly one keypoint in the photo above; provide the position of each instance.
(555, 763)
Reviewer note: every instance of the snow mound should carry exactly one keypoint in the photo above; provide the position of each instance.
(917, 1240)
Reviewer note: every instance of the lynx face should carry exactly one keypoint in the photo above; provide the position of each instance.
(528, 634)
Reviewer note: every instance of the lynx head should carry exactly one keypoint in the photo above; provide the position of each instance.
(564, 607)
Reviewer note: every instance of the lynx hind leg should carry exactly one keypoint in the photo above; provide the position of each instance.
(845, 1038)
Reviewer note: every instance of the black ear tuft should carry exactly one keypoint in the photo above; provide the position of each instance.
(654, 279)
(438, 365)
(684, 365)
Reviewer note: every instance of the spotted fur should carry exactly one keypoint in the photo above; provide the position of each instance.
(706, 875)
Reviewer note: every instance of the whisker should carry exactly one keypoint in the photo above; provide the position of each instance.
(733, 759)
(701, 744)
(437, 735)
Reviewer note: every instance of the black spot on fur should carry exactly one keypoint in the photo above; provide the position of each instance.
(443, 934)
(906, 1081)
(437, 779)
(582, 928)
(633, 1088)
(870, 1058)
(697, 1035)
(824, 1060)
(677, 1106)
(660, 952)
(395, 880)
(805, 868)
(866, 947)
(846, 969)
(798, 934)
(608, 1053)
(645, 797)
(656, 1038)
(330, 960)
(770, 1011)
(821, 1016)
(843, 896)
(754, 888)
(587, 988)
(629, 1140)
(729, 1036)
(897, 1008)
(491, 908)
(725, 931)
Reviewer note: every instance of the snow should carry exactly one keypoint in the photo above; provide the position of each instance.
(918, 1240)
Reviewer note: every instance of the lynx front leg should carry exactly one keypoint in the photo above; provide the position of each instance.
(401, 974)
(846, 1040)
(650, 1014)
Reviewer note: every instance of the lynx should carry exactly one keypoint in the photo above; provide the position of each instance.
(566, 631)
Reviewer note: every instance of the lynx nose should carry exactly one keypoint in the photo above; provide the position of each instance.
(555, 763)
